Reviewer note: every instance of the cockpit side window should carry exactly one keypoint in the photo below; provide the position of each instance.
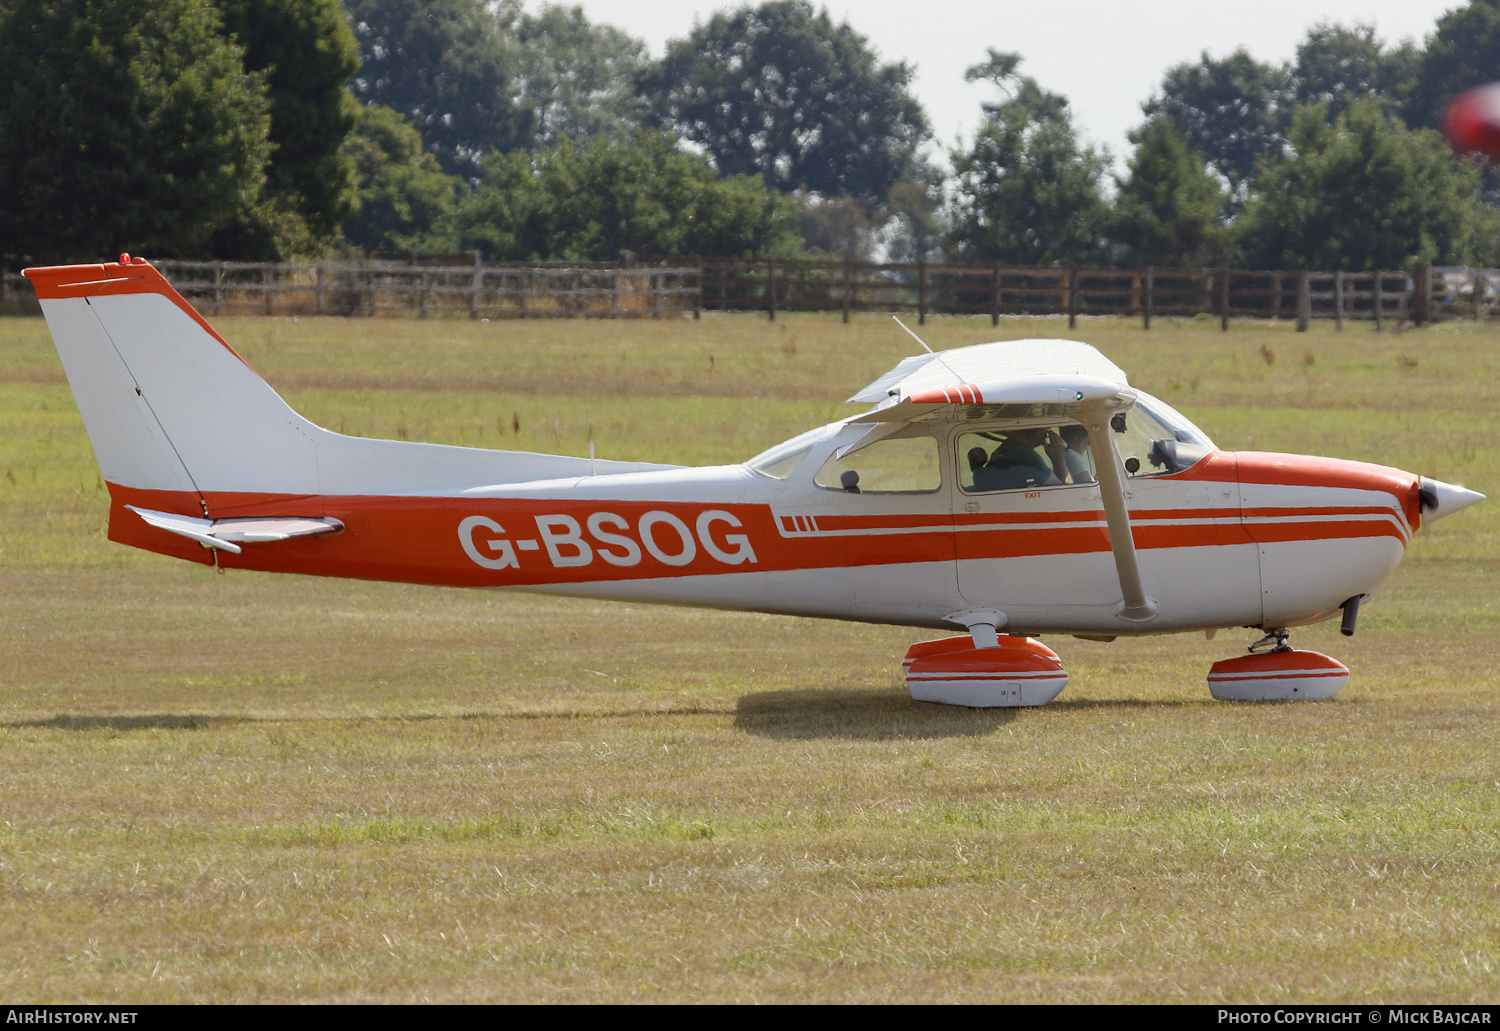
(1024, 458)
(904, 465)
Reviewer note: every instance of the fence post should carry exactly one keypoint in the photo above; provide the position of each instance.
(476, 288)
(921, 291)
(1476, 293)
(422, 297)
(848, 288)
(322, 305)
(1338, 300)
(1072, 297)
(1377, 296)
(1276, 278)
(268, 282)
(995, 298)
(1421, 293)
(771, 289)
(218, 286)
(524, 279)
(1149, 300)
(656, 288)
(698, 294)
(724, 287)
(1224, 299)
(1304, 301)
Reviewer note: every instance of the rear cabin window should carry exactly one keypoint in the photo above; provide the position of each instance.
(779, 461)
(1023, 459)
(905, 466)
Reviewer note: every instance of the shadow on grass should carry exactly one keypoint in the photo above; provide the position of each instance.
(152, 721)
(868, 714)
(890, 713)
(1125, 703)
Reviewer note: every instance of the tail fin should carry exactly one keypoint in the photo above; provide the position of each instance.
(167, 403)
(169, 406)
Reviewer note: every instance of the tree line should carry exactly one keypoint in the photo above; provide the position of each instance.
(263, 129)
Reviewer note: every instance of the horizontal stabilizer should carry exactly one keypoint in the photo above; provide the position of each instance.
(222, 534)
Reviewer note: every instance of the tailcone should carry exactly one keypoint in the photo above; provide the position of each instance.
(1441, 499)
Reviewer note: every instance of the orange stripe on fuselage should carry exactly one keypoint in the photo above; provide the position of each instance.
(416, 539)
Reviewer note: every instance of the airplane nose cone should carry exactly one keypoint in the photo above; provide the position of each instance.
(1441, 499)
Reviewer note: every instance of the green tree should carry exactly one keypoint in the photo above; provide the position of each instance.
(1361, 191)
(911, 217)
(306, 55)
(836, 226)
(590, 202)
(403, 196)
(1463, 51)
(782, 91)
(1166, 209)
(576, 78)
(1028, 193)
(1336, 65)
(126, 125)
(1233, 112)
(1001, 69)
(449, 67)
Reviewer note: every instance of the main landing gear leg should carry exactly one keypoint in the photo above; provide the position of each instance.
(1274, 642)
(1274, 671)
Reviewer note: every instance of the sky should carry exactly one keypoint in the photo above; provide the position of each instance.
(1105, 56)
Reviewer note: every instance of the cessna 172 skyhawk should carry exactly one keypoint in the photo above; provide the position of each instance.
(1008, 489)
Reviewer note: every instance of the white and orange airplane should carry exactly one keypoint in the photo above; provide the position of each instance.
(1008, 490)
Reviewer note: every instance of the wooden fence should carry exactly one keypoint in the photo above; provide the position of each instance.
(472, 289)
(1000, 290)
(462, 285)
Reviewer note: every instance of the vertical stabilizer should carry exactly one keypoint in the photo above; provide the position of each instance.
(168, 405)
(171, 408)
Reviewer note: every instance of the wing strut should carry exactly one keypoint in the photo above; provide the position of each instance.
(1136, 607)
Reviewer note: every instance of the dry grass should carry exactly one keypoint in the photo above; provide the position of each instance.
(249, 787)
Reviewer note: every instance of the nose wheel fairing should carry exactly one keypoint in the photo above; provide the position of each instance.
(1286, 675)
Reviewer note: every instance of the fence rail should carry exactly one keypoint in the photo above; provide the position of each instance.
(435, 290)
(426, 286)
(1000, 290)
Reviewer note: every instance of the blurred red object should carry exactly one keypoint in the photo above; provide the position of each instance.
(1472, 123)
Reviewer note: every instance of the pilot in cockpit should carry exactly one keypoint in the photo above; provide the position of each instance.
(1016, 463)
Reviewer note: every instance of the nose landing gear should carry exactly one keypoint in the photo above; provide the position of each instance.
(1275, 671)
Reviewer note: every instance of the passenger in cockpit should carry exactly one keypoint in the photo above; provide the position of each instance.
(1077, 440)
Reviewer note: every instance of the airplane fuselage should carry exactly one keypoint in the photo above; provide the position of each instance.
(1239, 539)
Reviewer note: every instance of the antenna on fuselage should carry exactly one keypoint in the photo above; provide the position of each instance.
(928, 349)
(913, 335)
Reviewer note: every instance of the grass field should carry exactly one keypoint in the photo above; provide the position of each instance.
(258, 788)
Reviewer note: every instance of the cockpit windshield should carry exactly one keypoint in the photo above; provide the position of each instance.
(1153, 439)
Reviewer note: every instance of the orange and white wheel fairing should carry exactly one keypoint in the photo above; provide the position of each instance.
(951, 671)
(1283, 676)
